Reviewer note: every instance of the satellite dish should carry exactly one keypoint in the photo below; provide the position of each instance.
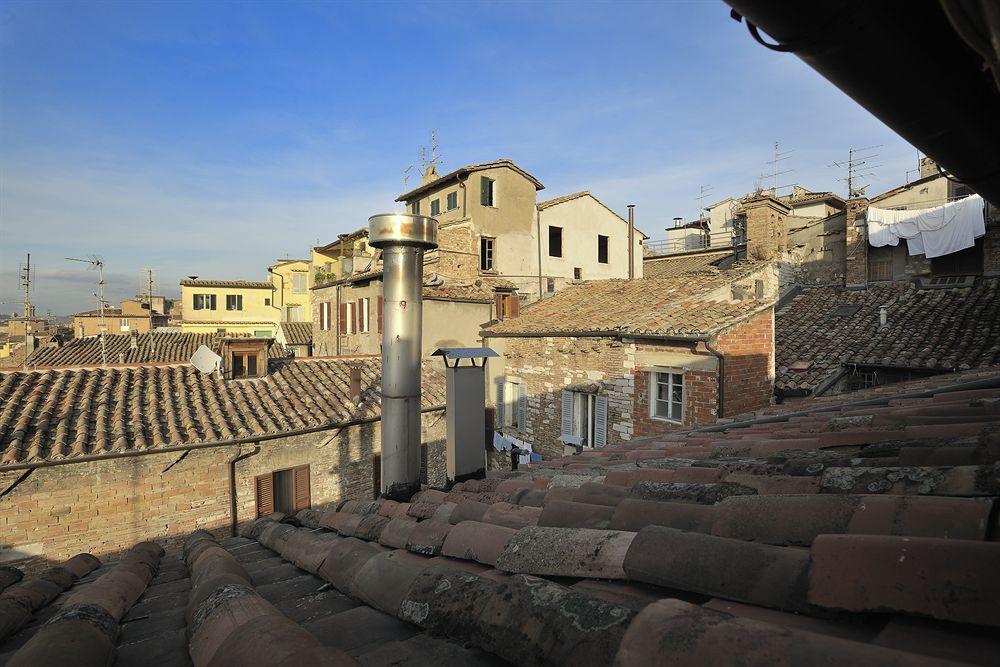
(205, 360)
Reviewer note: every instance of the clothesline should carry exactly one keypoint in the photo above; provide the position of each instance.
(932, 232)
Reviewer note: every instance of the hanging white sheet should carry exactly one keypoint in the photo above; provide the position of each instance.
(931, 232)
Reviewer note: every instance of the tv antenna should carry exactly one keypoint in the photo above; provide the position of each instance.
(859, 166)
(703, 192)
(149, 304)
(25, 278)
(435, 156)
(97, 263)
(776, 167)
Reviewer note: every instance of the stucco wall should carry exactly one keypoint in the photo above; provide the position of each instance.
(285, 295)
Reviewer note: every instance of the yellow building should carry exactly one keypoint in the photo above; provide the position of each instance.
(290, 278)
(349, 254)
(230, 306)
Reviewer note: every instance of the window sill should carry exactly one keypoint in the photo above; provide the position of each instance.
(666, 420)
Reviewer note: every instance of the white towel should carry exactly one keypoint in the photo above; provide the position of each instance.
(931, 232)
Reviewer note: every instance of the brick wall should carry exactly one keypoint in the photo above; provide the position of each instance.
(765, 227)
(856, 239)
(458, 253)
(105, 507)
(749, 364)
(701, 400)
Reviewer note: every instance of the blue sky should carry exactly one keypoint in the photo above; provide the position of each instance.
(212, 138)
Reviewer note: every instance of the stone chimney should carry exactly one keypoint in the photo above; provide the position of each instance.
(133, 340)
(928, 167)
(856, 238)
(765, 226)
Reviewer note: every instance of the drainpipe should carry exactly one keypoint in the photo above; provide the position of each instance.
(722, 377)
(234, 525)
(538, 229)
(403, 238)
(631, 241)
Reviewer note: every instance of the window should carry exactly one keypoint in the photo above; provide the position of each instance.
(204, 302)
(244, 364)
(577, 273)
(452, 201)
(435, 207)
(363, 315)
(299, 282)
(584, 419)
(234, 302)
(667, 393)
(293, 313)
(555, 241)
(487, 191)
(486, 251)
(602, 249)
(267, 301)
(348, 318)
(285, 491)
(415, 208)
(507, 305)
(262, 333)
(511, 404)
(324, 316)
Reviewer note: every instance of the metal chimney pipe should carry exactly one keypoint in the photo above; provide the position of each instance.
(631, 241)
(403, 238)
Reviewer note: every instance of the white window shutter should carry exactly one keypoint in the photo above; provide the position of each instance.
(500, 406)
(601, 421)
(567, 415)
(522, 406)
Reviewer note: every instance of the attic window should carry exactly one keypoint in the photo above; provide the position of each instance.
(845, 311)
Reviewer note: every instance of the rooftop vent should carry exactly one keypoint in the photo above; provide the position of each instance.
(849, 310)
(945, 282)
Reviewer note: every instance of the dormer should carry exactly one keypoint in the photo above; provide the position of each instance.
(244, 358)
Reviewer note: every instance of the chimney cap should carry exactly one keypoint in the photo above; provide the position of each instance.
(388, 229)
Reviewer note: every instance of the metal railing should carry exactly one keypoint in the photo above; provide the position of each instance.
(690, 243)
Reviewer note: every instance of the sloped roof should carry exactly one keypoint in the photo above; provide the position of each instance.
(150, 348)
(846, 532)
(695, 304)
(930, 329)
(671, 266)
(250, 284)
(297, 333)
(468, 169)
(108, 312)
(585, 193)
(61, 414)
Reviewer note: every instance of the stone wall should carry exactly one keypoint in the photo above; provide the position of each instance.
(856, 239)
(105, 507)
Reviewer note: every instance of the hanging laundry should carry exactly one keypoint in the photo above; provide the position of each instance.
(931, 232)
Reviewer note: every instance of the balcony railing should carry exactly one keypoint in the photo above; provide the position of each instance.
(690, 243)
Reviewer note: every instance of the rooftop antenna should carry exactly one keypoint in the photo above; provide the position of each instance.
(435, 156)
(703, 192)
(149, 302)
(25, 277)
(422, 156)
(98, 263)
(406, 177)
(776, 170)
(859, 166)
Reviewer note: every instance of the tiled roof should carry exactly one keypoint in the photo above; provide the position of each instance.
(843, 533)
(559, 200)
(480, 290)
(108, 312)
(671, 266)
(931, 329)
(253, 284)
(502, 162)
(51, 415)
(150, 348)
(297, 333)
(696, 304)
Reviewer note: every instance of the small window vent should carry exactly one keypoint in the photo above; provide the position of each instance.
(946, 282)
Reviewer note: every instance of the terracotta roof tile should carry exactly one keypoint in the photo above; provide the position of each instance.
(253, 284)
(671, 266)
(297, 333)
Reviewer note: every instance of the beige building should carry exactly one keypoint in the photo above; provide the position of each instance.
(493, 226)
(229, 306)
(290, 278)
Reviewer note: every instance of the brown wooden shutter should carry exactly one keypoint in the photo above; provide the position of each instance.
(380, 314)
(515, 305)
(343, 318)
(300, 488)
(355, 312)
(498, 304)
(265, 494)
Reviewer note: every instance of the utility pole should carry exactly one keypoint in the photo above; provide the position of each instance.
(99, 265)
(28, 309)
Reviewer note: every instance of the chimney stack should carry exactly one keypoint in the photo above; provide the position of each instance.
(133, 340)
(631, 241)
(355, 379)
(403, 238)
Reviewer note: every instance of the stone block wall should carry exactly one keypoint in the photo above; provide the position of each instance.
(105, 507)
(856, 238)
(458, 253)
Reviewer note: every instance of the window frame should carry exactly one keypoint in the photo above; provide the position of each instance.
(304, 277)
(607, 249)
(364, 313)
(561, 248)
(415, 207)
(247, 361)
(654, 400)
(265, 490)
(488, 196)
(203, 301)
(351, 318)
(487, 249)
(435, 207)
(449, 198)
(511, 396)
(237, 301)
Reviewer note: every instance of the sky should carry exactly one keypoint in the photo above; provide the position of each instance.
(212, 138)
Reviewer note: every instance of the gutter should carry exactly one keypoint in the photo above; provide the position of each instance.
(256, 439)
(597, 334)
